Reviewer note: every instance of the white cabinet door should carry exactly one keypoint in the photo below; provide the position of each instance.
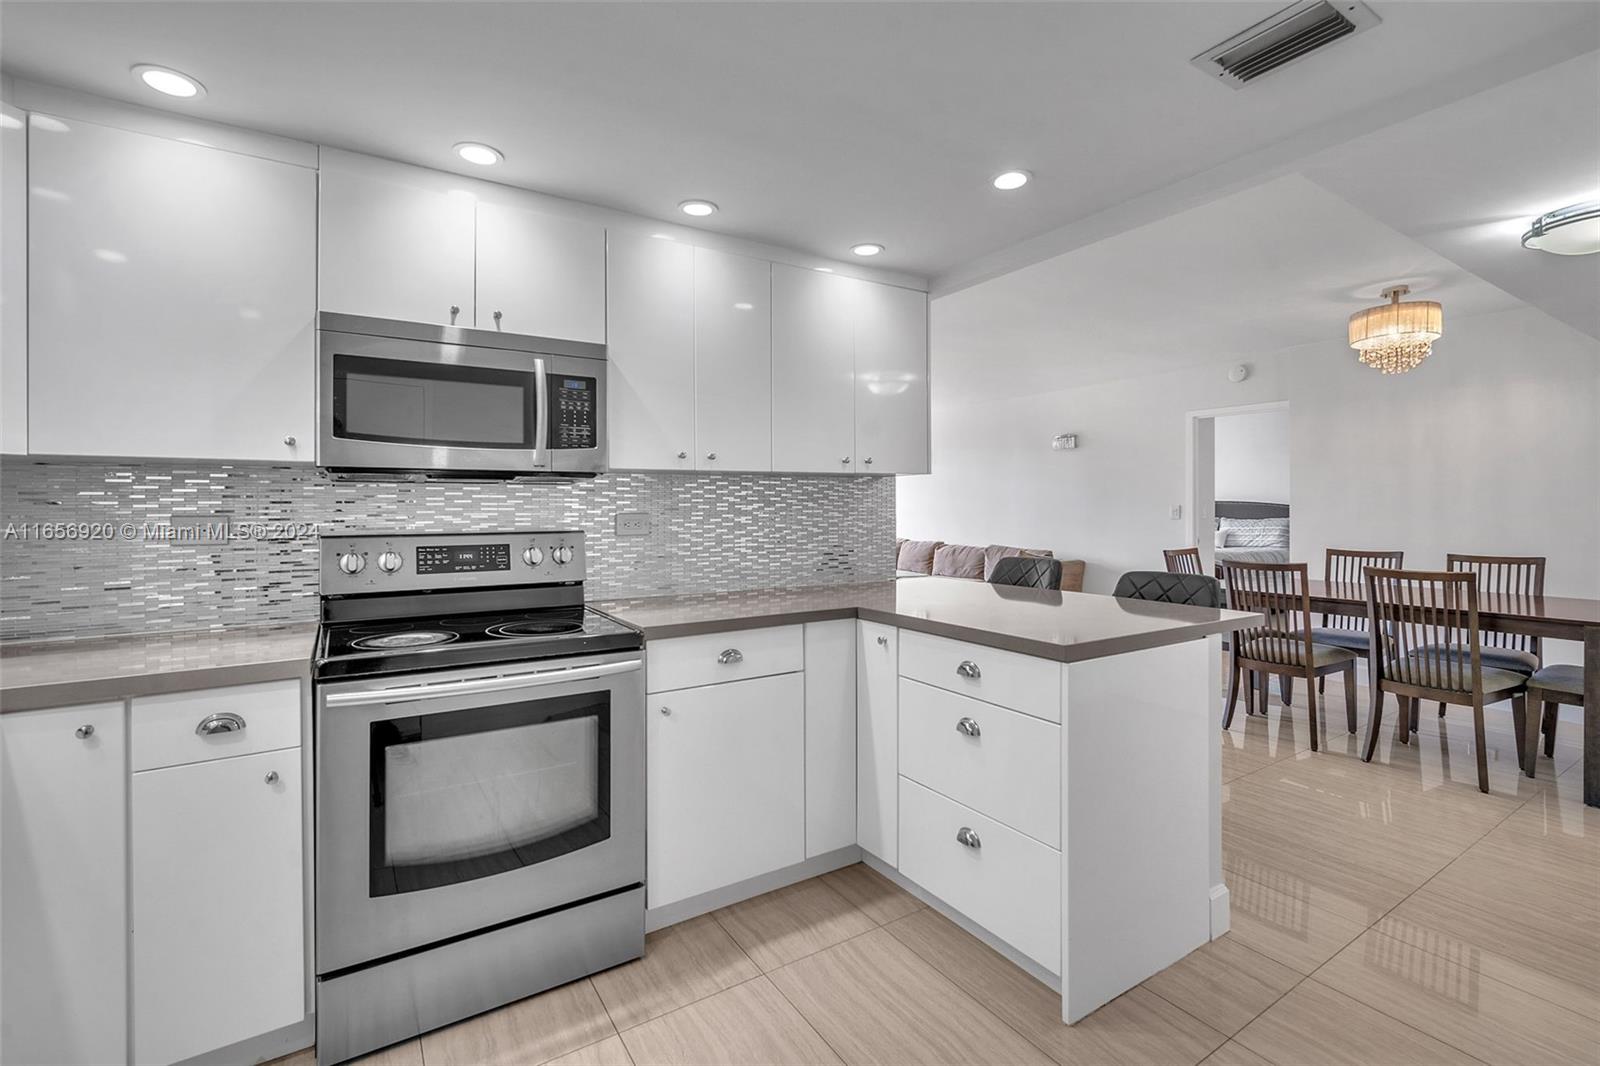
(732, 361)
(650, 331)
(540, 275)
(891, 380)
(813, 371)
(13, 281)
(877, 741)
(391, 250)
(830, 735)
(726, 785)
(172, 299)
(218, 911)
(63, 974)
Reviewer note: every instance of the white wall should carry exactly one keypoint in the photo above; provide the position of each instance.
(1252, 456)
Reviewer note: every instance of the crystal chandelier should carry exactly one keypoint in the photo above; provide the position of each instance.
(1395, 337)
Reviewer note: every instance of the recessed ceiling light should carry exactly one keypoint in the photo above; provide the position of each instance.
(169, 81)
(1011, 179)
(867, 249)
(1572, 230)
(698, 208)
(480, 154)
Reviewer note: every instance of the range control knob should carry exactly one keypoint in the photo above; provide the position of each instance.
(562, 555)
(352, 562)
(389, 562)
(533, 556)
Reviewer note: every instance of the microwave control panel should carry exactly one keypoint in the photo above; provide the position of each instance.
(574, 411)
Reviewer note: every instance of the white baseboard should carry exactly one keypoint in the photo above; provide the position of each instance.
(263, 1048)
(684, 909)
(1220, 910)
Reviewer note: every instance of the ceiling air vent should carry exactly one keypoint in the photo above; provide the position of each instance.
(1291, 34)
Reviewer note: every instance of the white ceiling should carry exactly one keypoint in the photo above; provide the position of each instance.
(814, 125)
(1278, 265)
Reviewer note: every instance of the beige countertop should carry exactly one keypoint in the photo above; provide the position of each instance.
(61, 673)
(1064, 626)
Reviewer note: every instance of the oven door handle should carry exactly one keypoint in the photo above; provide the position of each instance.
(499, 683)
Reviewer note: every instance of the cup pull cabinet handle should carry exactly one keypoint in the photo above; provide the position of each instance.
(969, 669)
(223, 722)
(965, 835)
(731, 656)
(883, 642)
(83, 732)
(968, 728)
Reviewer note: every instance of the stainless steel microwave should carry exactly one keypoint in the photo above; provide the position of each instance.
(410, 398)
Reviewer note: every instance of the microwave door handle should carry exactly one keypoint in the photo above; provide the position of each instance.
(474, 686)
(543, 428)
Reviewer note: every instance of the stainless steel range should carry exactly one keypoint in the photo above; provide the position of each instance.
(479, 746)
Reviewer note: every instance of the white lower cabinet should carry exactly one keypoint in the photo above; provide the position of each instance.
(63, 908)
(726, 784)
(218, 918)
(877, 739)
(830, 736)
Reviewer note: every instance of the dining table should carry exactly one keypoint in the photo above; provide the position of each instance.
(1551, 617)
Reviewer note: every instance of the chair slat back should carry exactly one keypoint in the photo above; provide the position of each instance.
(1432, 620)
(1348, 567)
(1510, 582)
(1183, 561)
(1277, 591)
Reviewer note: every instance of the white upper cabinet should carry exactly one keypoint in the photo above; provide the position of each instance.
(13, 281)
(392, 250)
(733, 361)
(813, 370)
(891, 380)
(172, 298)
(540, 275)
(650, 330)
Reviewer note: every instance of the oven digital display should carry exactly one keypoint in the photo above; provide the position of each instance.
(462, 558)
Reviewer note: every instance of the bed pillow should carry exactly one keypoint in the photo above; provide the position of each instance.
(1254, 532)
(958, 560)
(917, 555)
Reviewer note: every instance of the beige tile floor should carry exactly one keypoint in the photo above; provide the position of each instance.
(1382, 913)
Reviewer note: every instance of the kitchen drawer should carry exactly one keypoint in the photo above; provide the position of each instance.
(687, 662)
(163, 727)
(1010, 771)
(1020, 682)
(1010, 883)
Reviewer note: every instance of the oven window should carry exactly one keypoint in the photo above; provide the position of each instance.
(468, 794)
(433, 404)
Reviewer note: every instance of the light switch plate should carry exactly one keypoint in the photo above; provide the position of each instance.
(1176, 512)
(633, 524)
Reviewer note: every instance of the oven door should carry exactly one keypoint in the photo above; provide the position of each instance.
(387, 403)
(448, 803)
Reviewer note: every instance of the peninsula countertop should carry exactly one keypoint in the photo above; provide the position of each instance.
(1064, 626)
(62, 673)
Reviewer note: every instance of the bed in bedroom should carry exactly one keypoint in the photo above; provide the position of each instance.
(1251, 531)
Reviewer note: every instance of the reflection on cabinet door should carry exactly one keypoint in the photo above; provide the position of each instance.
(63, 974)
(218, 911)
(732, 361)
(891, 380)
(395, 251)
(650, 344)
(813, 369)
(877, 740)
(726, 784)
(13, 281)
(172, 299)
(540, 275)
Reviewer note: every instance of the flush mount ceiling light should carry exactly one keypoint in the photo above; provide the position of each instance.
(869, 248)
(169, 81)
(1571, 230)
(1011, 179)
(482, 155)
(1395, 337)
(698, 208)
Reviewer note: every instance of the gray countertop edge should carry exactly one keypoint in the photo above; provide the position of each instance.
(60, 694)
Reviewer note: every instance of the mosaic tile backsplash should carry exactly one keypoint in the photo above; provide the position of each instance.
(708, 533)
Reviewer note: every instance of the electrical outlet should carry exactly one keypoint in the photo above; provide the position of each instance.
(1176, 513)
(633, 524)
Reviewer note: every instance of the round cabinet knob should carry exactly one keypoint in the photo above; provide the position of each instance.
(711, 456)
(562, 555)
(83, 732)
(846, 459)
(533, 556)
(289, 441)
(389, 562)
(683, 455)
(666, 711)
(868, 460)
(352, 562)
(271, 778)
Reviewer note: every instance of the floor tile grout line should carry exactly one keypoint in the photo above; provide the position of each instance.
(1392, 1018)
(803, 1016)
(1299, 978)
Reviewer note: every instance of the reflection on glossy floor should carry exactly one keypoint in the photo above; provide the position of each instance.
(1382, 913)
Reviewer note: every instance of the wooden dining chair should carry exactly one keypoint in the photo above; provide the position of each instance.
(1183, 561)
(1548, 688)
(1511, 579)
(1344, 566)
(1281, 645)
(1434, 652)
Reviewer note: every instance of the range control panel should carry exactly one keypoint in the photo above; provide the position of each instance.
(417, 562)
(574, 411)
